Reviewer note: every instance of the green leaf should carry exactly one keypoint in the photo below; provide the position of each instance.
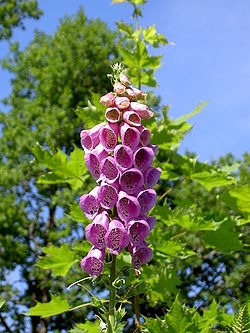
(139, 57)
(212, 179)
(56, 306)
(125, 28)
(225, 239)
(88, 327)
(241, 321)
(238, 198)
(151, 36)
(185, 117)
(155, 325)
(208, 318)
(180, 319)
(70, 170)
(2, 301)
(77, 214)
(58, 259)
(173, 248)
(93, 113)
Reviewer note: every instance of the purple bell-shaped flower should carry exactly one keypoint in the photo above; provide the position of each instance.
(95, 232)
(93, 262)
(116, 237)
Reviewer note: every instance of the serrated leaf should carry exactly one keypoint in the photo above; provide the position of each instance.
(87, 327)
(172, 248)
(93, 113)
(62, 169)
(224, 239)
(208, 318)
(58, 259)
(186, 116)
(151, 36)
(56, 306)
(155, 325)
(209, 180)
(180, 319)
(125, 28)
(238, 198)
(77, 214)
(139, 57)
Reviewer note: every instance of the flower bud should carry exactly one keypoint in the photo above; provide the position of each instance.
(142, 110)
(124, 80)
(119, 88)
(122, 102)
(108, 100)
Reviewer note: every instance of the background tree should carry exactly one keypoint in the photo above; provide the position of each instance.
(14, 12)
(51, 77)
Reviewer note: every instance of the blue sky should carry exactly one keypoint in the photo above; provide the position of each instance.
(209, 61)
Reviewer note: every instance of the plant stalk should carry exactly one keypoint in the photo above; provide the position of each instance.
(112, 296)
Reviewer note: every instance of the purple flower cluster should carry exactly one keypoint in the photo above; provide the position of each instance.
(119, 156)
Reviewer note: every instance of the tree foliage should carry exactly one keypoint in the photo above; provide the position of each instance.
(14, 12)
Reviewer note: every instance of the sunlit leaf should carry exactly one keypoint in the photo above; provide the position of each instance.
(212, 179)
(56, 306)
(238, 198)
(58, 259)
(225, 239)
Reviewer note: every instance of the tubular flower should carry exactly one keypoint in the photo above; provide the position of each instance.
(95, 232)
(118, 154)
(116, 237)
(93, 262)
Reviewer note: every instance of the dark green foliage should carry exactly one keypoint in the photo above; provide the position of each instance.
(13, 13)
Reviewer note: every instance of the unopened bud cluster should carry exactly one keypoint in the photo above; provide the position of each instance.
(119, 156)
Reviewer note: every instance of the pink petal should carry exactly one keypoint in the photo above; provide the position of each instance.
(122, 102)
(93, 262)
(108, 100)
(107, 195)
(151, 176)
(142, 110)
(123, 156)
(90, 138)
(116, 237)
(143, 158)
(131, 95)
(130, 136)
(138, 230)
(89, 204)
(95, 232)
(145, 135)
(108, 136)
(131, 181)
(141, 255)
(147, 200)
(108, 169)
(119, 88)
(124, 80)
(132, 118)
(112, 114)
(127, 207)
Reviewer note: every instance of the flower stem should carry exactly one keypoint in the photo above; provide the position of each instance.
(112, 296)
